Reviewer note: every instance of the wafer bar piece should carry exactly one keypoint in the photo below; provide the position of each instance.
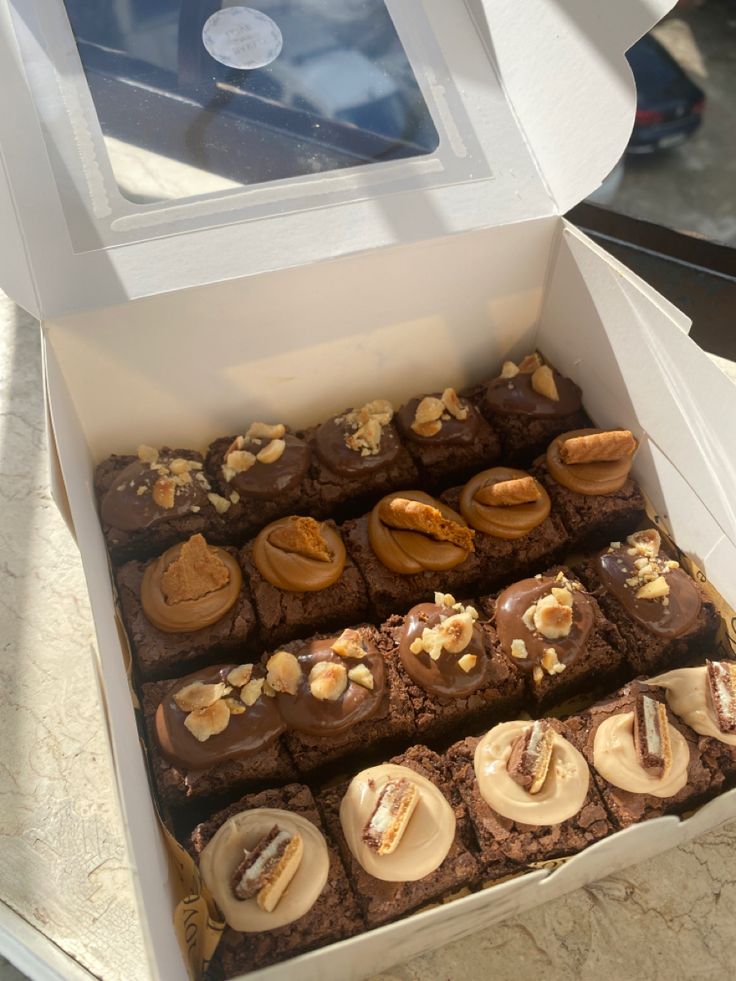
(506, 493)
(404, 514)
(531, 755)
(267, 870)
(391, 816)
(607, 446)
(722, 684)
(652, 735)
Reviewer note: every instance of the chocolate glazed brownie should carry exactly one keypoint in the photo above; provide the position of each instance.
(662, 615)
(528, 405)
(299, 870)
(151, 501)
(399, 835)
(357, 457)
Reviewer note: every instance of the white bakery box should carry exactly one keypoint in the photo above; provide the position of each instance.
(178, 308)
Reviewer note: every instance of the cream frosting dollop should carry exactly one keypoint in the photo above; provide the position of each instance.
(428, 836)
(562, 795)
(615, 758)
(224, 853)
(688, 695)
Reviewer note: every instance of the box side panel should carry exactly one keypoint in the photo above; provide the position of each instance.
(149, 861)
(300, 344)
(639, 370)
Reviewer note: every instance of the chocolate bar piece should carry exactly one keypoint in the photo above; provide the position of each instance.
(722, 685)
(391, 816)
(530, 757)
(652, 735)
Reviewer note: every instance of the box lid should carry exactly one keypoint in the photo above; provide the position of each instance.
(149, 147)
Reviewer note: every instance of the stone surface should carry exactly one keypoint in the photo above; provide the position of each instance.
(65, 882)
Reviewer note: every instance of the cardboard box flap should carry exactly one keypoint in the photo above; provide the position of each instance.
(147, 163)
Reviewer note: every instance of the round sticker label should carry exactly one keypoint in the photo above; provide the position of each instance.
(241, 37)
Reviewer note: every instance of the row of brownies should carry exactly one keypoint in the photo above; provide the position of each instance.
(300, 574)
(337, 469)
(291, 870)
(444, 668)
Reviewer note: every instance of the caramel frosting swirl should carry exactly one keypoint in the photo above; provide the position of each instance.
(688, 696)
(510, 521)
(597, 477)
(410, 552)
(445, 676)
(512, 625)
(616, 759)
(516, 396)
(428, 836)
(242, 832)
(247, 733)
(298, 571)
(305, 713)
(185, 615)
(562, 794)
(618, 572)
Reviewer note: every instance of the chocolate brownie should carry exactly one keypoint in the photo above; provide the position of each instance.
(506, 842)
(501, 560)
(160, 653)
(451, 446)
(447, 692)
(152, 501)
(287, 613)
(255, 492)
(250, 752)
(357, 457)
(453, 568)
(656, 635)
(452, 868)
(560, 654)
(334, 916)
(613, 756)
(520, 406)
(372, 715)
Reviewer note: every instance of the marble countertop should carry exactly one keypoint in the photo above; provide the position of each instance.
(66, 896)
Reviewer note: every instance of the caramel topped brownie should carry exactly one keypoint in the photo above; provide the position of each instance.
(450, 666)
(357, 456)
(661, 613)
(586, 472)
(301, 578)
(447, 436)
(184, 607)
(151, 501)
(553, 630)
(528, 404)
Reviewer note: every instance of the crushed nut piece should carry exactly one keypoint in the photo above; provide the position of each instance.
(199, 695)
(251, 692)
(164, 491)
(400, 512)
(180, 466)
(238, 461)
(509, 370)
(646, 542)
(268, 690)
(429, 410)
(219, 503)
(235, 706)
(444, 599)
(543, 383)
(530, 363)
(362, 676)
(141, 490)
(206, 722)
(367, 439)
(454, 405)
(302, 536)
(262, 430)
(147, 454)
(197, 571)
(467, 662)
(283, 672)
(551, 663)
(518, 650)
(427, 429)
(240, 676)
(272, 452)
(552, 619)
(562, 595)
(537, 674)
(452, 635)
(327, 680)
(656, 589)
(349, 644)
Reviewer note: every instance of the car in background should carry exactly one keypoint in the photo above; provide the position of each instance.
(669, 106)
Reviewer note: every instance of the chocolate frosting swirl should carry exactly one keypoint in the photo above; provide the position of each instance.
(600, 477)
(246, 734)
(305, 713)
(192, 614)
(509, 522)
(513, 603)
(126, 507)
(294, 572)
(672, 620)
(411, 552)
(454, 432)
(443, 677)
(273, 479)
(333, 451)
(515, 396)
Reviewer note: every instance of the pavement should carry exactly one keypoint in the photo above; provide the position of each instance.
(692, 187)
